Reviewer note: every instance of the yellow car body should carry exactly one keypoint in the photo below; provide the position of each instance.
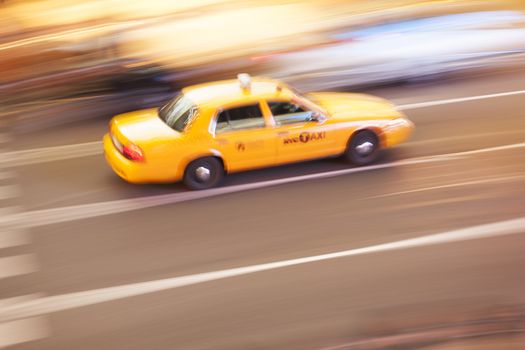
(148, 147)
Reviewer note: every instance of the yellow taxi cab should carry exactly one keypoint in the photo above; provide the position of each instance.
(223, 127)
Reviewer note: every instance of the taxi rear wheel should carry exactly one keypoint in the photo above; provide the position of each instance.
(363, 148)
(203, 173)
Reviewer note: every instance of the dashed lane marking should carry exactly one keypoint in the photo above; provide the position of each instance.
(22, 331)
(17, 265)
(19, 299)
(13, 238)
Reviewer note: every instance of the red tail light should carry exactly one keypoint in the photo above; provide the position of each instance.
(133, 152)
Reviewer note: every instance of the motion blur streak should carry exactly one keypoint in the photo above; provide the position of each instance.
(414, 251)
(21, 331)
(84, 211)
(43, 38)
(17, 265)
(13, 238)
(467, 183)
(86, 298)
(80, 299)
(50, 154)
(55, 153)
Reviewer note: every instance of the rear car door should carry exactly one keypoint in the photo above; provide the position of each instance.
(244, 137)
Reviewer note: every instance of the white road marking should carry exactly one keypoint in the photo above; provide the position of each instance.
(13, 238)
(71, 196)
(63, 302)
(50, 154)
(17, 265)
(56, 153)
(19, 299)
(5, 211)
(458, 184)
(22, 331)
(85, 211)
(435, 202)
(461, 137)
(459, 100)
(486, 150)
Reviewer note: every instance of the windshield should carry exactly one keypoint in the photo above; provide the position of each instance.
(178, 113)
(310, 102)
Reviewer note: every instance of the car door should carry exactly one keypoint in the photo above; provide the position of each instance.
(243, 136)
(300, 136)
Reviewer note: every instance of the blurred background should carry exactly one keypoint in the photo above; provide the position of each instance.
(123, 55)
(456, 68)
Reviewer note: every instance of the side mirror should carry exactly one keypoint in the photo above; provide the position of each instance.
(316, 117)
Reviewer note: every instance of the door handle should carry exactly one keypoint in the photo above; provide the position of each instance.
(283, 133)
(222, 142)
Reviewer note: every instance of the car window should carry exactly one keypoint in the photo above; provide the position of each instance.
(178, 113)
(289, 113)
(245, 117)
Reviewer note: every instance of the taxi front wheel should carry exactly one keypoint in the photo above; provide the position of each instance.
(362, 148)
(203, 173)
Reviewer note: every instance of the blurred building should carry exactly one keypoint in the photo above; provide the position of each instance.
(53, 49)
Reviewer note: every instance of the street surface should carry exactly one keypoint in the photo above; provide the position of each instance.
(463, 168)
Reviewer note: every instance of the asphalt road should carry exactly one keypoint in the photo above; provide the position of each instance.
(464, 167)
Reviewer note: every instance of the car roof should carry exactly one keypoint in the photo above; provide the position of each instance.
(227, 92)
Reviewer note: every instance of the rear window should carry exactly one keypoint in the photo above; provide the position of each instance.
(239, 118)
(178, 113)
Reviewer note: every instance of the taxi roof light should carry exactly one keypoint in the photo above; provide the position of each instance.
(245, 80)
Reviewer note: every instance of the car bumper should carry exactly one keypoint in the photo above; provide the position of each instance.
(149, 171)
(397, 131)
(128, 170)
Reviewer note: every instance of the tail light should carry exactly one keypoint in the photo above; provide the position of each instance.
(133, 152)
(129, 150)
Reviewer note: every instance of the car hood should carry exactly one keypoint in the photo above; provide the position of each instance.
(141, 125)
(350, 106)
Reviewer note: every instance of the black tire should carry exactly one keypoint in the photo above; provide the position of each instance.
(203, 173)
(363, 148)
